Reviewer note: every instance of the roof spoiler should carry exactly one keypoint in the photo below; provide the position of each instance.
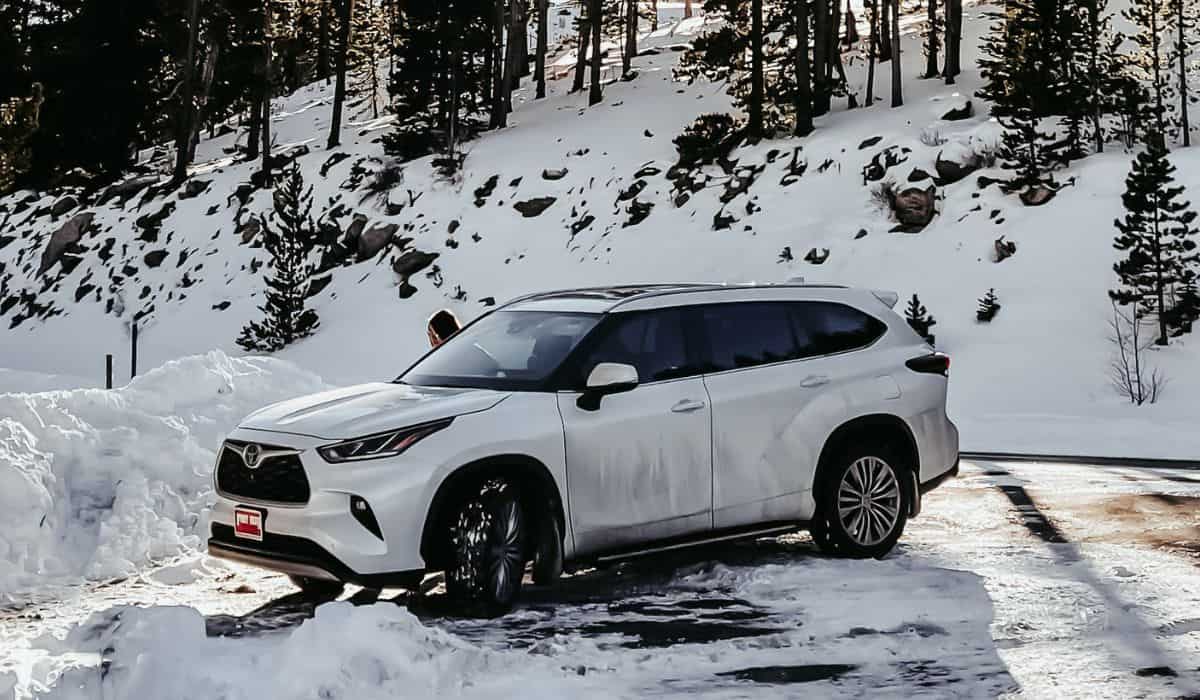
(889, 298)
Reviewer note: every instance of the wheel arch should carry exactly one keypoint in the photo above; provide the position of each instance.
(535, 483)
(883, 428)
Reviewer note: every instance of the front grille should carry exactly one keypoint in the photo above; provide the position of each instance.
(277, 479)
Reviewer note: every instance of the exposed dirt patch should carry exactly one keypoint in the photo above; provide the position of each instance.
(1162, 521)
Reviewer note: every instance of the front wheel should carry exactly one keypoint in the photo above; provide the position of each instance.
(862, 505)
(488, 540)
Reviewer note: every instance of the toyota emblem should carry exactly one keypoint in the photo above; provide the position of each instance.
(251, 455)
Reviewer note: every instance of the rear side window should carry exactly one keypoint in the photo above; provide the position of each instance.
(652, 341)
(748, 334)
(826, 328)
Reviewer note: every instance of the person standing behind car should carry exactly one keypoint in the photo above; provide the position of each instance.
(442, 325)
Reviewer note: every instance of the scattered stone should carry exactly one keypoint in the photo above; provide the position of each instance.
(917, 175)
(213, 210)
(554, 173)
(485, 190)
(222, 306)
(862, 233)
(785, 255)
(412, 262)
(318, 284)
(151, 223)
(914, 207)
(721, 220)
(488, 301)
(476, 237)
(63, 206)
(648, 134)
(582, 223)
(817, 257)
(83, 291)
(375, 239)
(249, 230)
(869, 142)
(453, 226)
(534, 207)
(638, 211)
(515, 182)
(963, 111)
(127, 189)
(406, 290)
(1037, 196)
(647, 171)
(1004, 249)
(194, 188)
(154, 258)
(66, 236)
(681, 199)
(882, 162)
(950, 172)
(632, 191)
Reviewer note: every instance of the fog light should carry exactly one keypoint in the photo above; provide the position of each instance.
(361, 510)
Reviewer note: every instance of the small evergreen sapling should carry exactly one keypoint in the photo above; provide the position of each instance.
(989, 306)
(919, 319)
(289, 240)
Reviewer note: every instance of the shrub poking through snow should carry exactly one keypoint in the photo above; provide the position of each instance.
(919, 319)
(1186, 309)
(710, 138)
(289, 240)
(1129, 371)
(989, 306)
(1157, 236)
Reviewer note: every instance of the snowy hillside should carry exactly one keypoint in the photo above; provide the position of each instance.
(185, 262)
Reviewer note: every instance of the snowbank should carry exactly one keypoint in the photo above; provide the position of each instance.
(95, 483)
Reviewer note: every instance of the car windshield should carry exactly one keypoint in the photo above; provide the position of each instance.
(504, 350)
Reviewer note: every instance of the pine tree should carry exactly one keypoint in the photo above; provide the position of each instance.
(1097, 67)
(989, 306)
(1157, 236)
(919, 320)
(345, 18)
(288, 235)
(1184, 20)
(368, 46)
(18, 122)
(1151, 63)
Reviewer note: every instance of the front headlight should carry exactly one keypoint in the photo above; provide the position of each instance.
(381, 444)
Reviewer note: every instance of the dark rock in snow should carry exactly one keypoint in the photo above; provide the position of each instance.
(632, 191)
(648, 134)
(515, 182)
(914, 207)
(213, 210)
(5, 240)
(375, 239)
(67, 235)
(554, 173)
(918, 175)
(647, 171)
(222, 306)
(1003, 249)
(1037, 196)
(963, 111)
(638, 211)
(451, 243)
(127, 189)
(585, 221)
(128, 270)
(318, 284)
(357, 224)
(721, 220)
(453, 226)
(817, 257)
(249, 230)
(681, 199)
(332, 161)
(151, 223)
(785, 255)
(883, 161)
(154, 258)
(950, 172)
(406, 290)
(63, 206)
(488, 301)
(534, 207)
(862, 233)
(484, 191)
(869, 142)
(413, 262)
(194, 188)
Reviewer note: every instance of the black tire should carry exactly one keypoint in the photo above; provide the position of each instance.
(488, 543)
(318, 587)
(849, 524)
(548, 557)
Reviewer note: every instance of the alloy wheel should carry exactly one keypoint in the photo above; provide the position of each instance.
(869, 501)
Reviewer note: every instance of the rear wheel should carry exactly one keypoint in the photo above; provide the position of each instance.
(488, 542)
(862, 504)
(317, 587)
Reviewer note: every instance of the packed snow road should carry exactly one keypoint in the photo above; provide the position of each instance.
(1018, 579)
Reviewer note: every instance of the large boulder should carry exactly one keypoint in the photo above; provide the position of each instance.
(951, 170)
(375, 239)
(67, 235)
(534, 207)
(914, 207)
(64, 205)
(1037, 196)
(413, 262)
(354, 230)
(127, 189)
(249, 230)
(963, 110)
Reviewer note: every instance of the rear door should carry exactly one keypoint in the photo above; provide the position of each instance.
(781, 375)
(639, 468)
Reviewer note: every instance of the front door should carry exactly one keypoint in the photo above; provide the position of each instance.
(639, 467)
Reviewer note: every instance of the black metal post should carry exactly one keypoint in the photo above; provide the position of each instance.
(108, 371)
(133, 353)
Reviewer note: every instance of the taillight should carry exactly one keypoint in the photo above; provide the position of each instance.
(934, 363)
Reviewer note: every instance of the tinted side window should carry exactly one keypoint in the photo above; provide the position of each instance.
(748, 334)
(825, 328)
(653, 342)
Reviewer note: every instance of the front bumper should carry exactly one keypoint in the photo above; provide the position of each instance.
(322, 538)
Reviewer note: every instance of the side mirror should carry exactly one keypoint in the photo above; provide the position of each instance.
(607, 378)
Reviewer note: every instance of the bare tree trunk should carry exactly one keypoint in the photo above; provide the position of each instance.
(1181, 48)
(885, 30)
(755, 127)
(185, 123)
(820, 69)
(253, 138)
(514, 48)
(543, 33)
(265, 104)
(897, 86)
(324, 20)
(595, 16)
(581, 51)
(852, 35)
(835, 56)
(803, 106)
(953, 40)
(687, 9)
(872, 8)
(207, 75)
(631, 29)
(931, 41)
(499, 117)
(654, 15)
(345, 19)
(522, 42)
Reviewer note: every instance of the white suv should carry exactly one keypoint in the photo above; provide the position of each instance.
(589, 425)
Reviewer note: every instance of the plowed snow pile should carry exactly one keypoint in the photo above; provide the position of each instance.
(95, 483)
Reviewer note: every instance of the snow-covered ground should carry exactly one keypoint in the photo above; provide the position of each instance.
(1039, 581)
(1035, 379)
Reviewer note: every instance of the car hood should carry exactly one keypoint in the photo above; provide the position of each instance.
(365, 409)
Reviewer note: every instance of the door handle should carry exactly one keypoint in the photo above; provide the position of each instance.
(813, 381)
(687, 406)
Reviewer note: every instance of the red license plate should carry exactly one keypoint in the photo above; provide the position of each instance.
(248, 523)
